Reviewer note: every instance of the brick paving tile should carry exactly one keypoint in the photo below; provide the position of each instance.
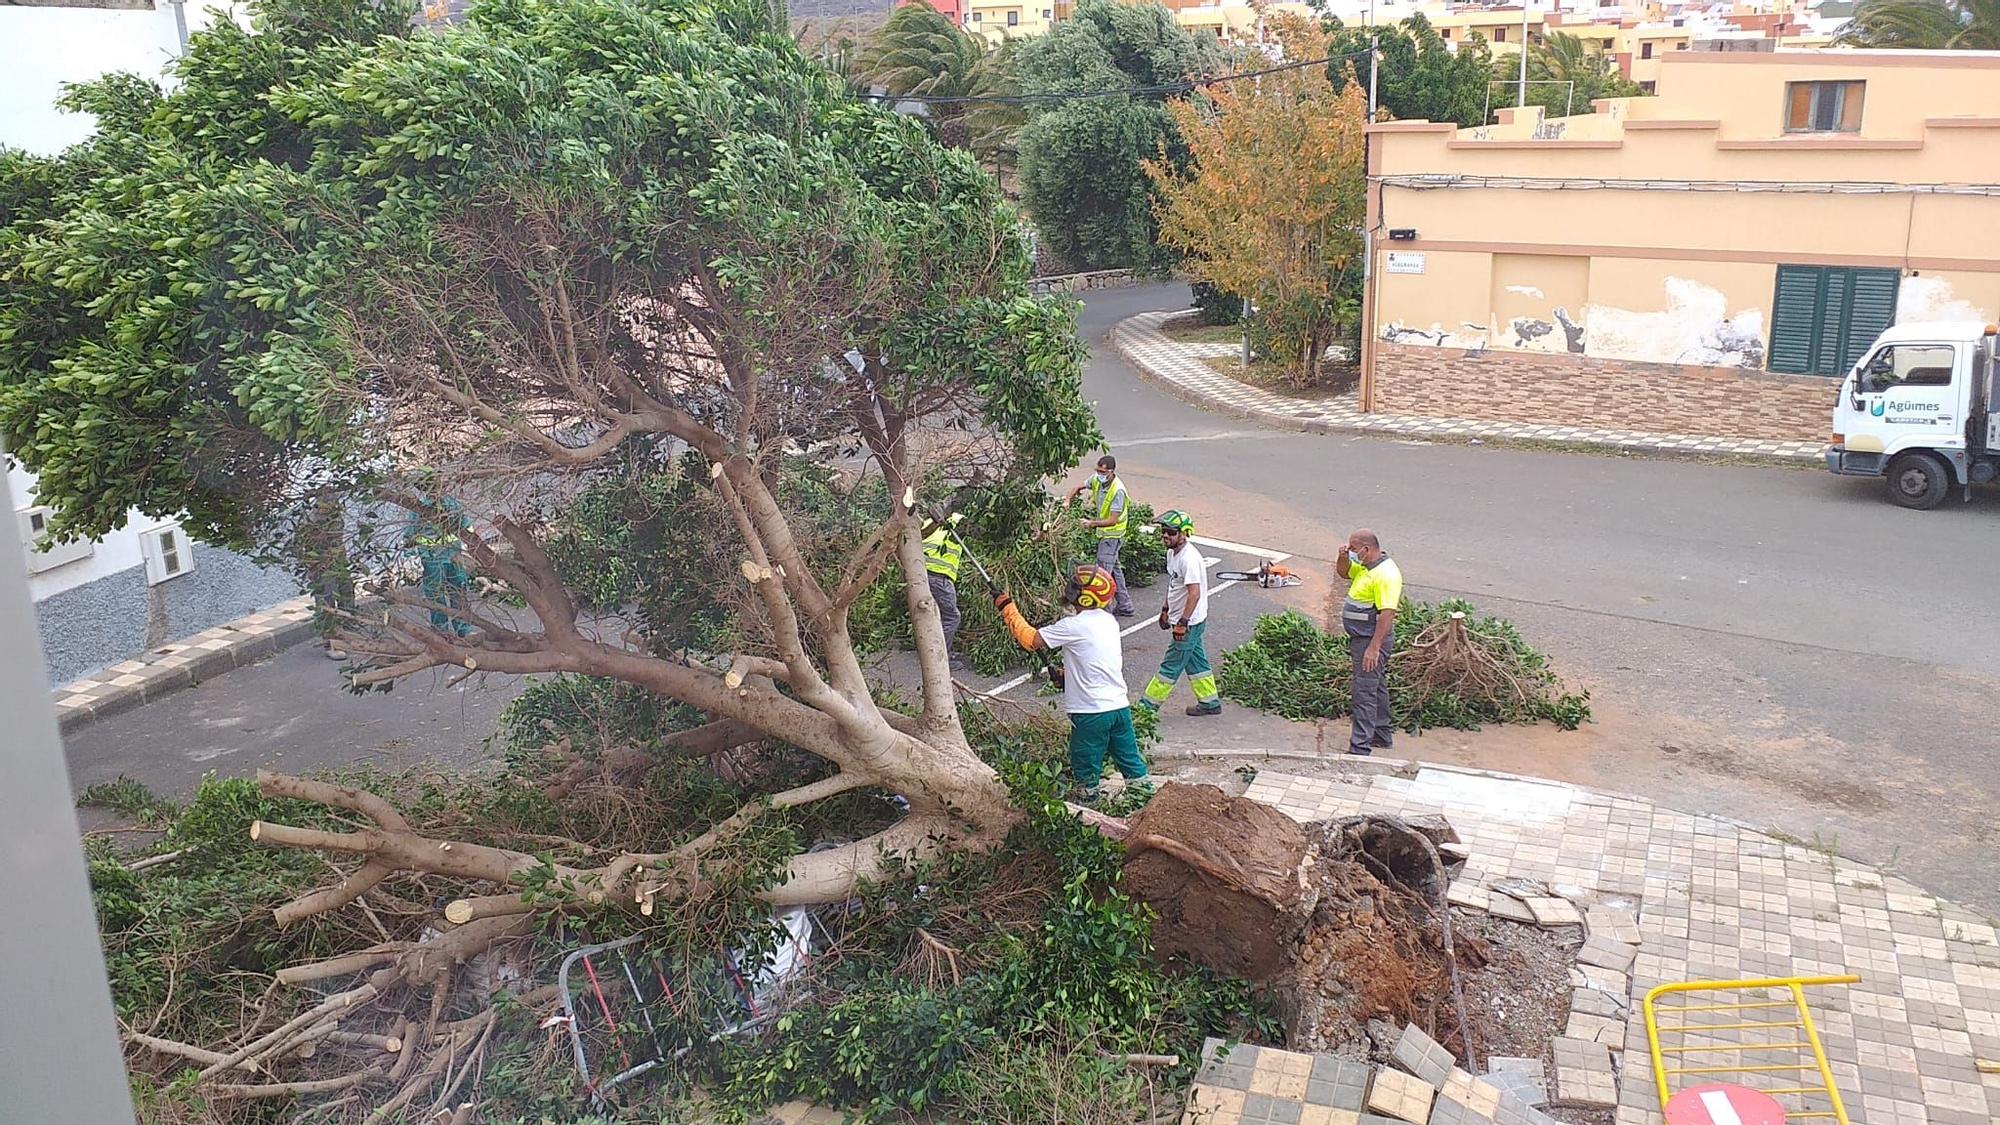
(1404, 1097)
(1422, 1056)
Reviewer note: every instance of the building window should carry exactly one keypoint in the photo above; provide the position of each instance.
(1645, 50)
(1048, 13)
(1444, 33)
(1680, 46)
(975, 17)
(1823, 107)
(1649, 87)
(1824, 317)
(1013, 19)
(1499, 35)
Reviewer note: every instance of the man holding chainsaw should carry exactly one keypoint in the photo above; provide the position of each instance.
(1186, 613)
(1092, 675)
(1374, 591)
(1108, 503)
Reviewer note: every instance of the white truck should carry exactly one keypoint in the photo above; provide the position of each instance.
(1919, 408)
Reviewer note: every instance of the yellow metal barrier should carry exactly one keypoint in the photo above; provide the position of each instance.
(1802, 1036)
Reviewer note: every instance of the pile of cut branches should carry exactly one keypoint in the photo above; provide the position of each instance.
(1456, 669)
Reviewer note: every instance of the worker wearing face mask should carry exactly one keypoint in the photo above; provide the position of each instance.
(1107, 516)
(1374, 591)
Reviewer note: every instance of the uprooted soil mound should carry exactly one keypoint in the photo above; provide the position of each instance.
(1342, 921)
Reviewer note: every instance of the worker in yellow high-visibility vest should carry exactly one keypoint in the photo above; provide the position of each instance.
(943, 555)
(1374, 594)
(1107, 508)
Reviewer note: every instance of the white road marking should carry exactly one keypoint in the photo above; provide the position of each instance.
(1240, 548)
(1174, 439)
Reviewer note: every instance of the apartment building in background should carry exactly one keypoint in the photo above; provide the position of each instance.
(1707, 261)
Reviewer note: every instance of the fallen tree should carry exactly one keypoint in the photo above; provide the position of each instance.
(377, 302)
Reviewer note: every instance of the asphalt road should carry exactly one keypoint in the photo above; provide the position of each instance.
(1781, 646)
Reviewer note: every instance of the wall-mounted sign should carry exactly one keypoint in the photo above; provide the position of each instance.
(1405, 261)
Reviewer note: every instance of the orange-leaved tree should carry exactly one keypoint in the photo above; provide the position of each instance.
(1272, 202)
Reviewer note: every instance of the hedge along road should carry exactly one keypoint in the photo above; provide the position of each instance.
(1779, 646)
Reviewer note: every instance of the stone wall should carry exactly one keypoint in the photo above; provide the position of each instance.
(118, 616)
(1559, 390)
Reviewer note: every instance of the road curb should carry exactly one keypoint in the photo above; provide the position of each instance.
(169, 668)
(1129, 338)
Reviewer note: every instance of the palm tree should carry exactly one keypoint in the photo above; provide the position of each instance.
(1937, 25)
(919, 51)
(1565, 76)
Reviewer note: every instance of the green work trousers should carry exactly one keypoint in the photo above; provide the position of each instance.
(1185, 655)
(1091, 736)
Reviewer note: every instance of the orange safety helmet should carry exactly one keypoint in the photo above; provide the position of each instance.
(1090, 586)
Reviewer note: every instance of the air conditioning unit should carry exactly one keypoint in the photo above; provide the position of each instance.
(168, 553)
(44, 555)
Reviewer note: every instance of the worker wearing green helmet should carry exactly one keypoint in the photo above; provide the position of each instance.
(1186, 613)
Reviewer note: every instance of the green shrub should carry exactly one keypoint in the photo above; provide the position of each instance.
(1216, 308)
(1291, 667)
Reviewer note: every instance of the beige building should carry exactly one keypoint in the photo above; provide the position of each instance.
(1704, 261)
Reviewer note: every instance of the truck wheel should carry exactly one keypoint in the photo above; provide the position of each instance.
(1918, 480)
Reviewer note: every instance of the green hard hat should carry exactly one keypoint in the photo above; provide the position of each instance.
(1173, 519)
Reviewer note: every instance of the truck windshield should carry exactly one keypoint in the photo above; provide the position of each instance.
(1908, 365)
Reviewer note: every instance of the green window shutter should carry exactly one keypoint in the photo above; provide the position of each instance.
(1796, 312)
(1830, 342)
(1871, 308)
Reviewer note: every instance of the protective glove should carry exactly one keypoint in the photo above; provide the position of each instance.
(1165, 621)
(1023, 633)
(1180, 630)
(1058, 675)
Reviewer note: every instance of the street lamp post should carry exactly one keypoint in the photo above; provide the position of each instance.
(1521, 95)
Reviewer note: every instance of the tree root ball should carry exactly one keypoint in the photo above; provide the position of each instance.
(1225, 875)
(1341, 922)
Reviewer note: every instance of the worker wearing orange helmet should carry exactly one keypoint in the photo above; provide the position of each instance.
(1093, 675)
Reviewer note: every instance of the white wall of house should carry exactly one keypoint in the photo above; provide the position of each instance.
(118, 551)
(43, 47)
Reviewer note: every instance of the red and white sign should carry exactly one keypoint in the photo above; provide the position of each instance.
(1719, 1103)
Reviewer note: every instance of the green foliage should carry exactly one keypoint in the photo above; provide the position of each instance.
(1013, 1035)
(1291, 667)
(1564, 76)
(228, 295)
(1034, 570)
(1422, 77)
(1216, 307)
(128, 797)
(1081, 178)
(199, 928)
(1954, 25)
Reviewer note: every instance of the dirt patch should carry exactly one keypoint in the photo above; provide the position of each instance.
(1277, 378)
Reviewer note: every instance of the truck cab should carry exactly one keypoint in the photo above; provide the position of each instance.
(1918, 409)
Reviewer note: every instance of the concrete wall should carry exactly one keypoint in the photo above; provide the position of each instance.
(118, 616)
(1651, 233)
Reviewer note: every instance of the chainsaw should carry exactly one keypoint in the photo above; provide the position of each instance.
(1266, 575)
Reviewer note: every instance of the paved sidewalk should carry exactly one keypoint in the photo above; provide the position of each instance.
(170, 667)
(1181, 369)
(1657, 896)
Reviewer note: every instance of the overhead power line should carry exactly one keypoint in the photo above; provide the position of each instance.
(1184, 86)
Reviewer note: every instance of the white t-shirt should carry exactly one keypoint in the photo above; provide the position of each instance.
(1185, 569)
(1093, 661)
